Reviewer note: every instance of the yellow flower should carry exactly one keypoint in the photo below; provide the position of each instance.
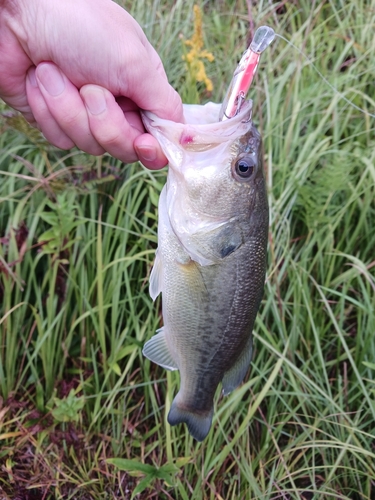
(195, 57)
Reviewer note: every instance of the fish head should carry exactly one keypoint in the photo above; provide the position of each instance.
(215, 180)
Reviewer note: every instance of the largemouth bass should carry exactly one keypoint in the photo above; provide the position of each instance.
(211, 258)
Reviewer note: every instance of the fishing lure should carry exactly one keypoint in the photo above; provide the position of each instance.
(244, 73)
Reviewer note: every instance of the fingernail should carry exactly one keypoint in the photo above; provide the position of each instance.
(32, 78)
(94, 100)
(146, 153)
(51, 78)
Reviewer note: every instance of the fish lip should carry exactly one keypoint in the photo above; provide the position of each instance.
(202, 129)
(244, 116)
(148, 117)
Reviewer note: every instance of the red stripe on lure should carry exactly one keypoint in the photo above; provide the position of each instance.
(244, 73)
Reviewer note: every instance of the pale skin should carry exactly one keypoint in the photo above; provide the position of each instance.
(80, 71)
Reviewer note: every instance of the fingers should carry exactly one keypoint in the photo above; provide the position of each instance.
(108, 123)
(146, 146)
(147, 85)
(41, 116)
(118, 129)
(149, 152)
(90, 119)
(63, 117)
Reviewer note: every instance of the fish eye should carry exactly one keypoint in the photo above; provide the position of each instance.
(245, 167)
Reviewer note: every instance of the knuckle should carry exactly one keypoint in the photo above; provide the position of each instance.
(71, 119)
(63, 143)
(95, 150)
(108, 136)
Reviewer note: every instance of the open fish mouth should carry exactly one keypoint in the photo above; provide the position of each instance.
(202, 128)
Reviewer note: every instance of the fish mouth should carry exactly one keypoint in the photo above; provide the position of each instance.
(202, 116)
(202, 129)
(209, 115)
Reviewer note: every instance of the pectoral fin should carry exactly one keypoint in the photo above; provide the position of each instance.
(236, 374)
(213, 243)
(228, 240)
(156, 277)
(156, 349)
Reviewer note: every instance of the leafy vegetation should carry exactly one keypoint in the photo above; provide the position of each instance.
(82, 413)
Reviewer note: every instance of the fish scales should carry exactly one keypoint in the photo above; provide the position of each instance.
(211, 258)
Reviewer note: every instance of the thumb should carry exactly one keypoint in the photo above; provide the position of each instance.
(150, 90)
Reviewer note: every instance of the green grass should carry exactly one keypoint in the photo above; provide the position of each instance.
(76, 392)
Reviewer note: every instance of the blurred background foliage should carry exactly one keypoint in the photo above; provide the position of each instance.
(82, 413)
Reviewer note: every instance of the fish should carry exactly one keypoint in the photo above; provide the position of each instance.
(210, 263)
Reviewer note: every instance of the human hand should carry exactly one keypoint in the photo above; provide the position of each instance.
(80, 70)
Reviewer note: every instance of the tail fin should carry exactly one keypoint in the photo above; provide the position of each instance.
(198, 423)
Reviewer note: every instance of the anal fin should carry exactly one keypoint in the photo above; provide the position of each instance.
(156, 349)
(233, 377)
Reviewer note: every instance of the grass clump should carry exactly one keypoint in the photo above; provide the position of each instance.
(82, 414)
